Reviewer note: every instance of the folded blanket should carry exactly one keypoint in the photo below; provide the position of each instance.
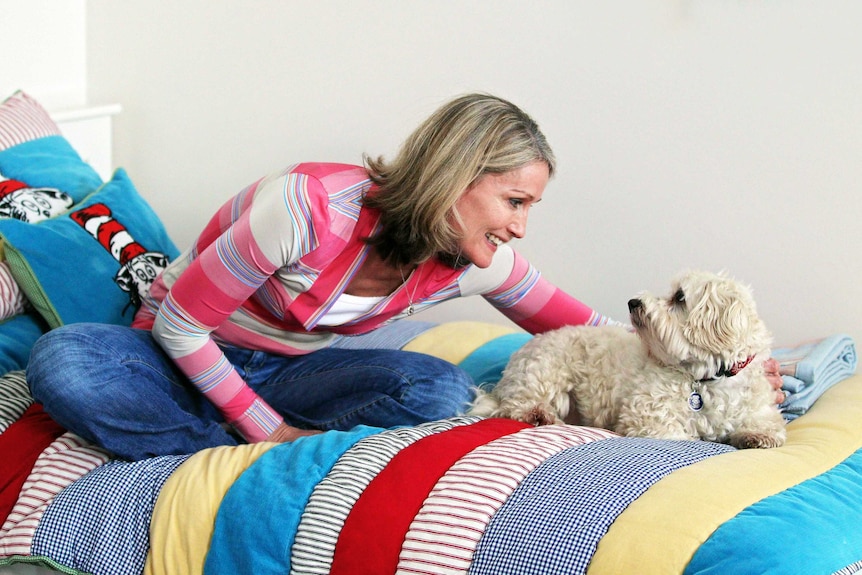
(810, 368)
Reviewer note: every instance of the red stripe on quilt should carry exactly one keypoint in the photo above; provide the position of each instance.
(21, 445)
(373, 532)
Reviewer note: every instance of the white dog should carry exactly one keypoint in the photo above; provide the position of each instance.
(693, 370)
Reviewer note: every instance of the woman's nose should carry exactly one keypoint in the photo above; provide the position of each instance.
(518, 226)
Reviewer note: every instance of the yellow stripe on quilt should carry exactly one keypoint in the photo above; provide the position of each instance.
(184, 515)
(660, 532)
(454, 341)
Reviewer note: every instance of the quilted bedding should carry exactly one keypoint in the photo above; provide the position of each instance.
(462, 495)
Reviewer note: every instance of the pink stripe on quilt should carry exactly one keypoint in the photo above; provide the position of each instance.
(444, 534)
(68, 458)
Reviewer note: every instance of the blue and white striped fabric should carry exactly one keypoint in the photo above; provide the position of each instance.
(393, 336)
(553, 521)
(110, 509)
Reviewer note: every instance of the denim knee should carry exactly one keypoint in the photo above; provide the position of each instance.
(46, 370)
(438, 389)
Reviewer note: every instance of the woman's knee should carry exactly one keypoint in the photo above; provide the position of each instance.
(67, 362)
(438, 389)
(52, 357)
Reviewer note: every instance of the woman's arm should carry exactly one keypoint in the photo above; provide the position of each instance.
(534, 303)
(262, 238)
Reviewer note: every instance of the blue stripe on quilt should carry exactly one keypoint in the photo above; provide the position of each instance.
(765, 534)
(110, 509)
(486, 363)
(554, 520)
(265, 504)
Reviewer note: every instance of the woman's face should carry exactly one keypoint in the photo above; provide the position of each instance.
(494, 210)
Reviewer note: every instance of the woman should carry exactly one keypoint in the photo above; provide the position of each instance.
(235, 338)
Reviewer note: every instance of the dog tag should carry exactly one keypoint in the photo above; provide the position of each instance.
(695, 401)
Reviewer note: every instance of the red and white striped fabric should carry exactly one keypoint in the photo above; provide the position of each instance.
(12, 299)
(23, 119)
(68, 458)
(444, 534)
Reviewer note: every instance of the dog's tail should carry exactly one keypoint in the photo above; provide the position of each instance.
(485, 404)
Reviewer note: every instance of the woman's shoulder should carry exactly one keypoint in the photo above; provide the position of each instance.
(332, 174)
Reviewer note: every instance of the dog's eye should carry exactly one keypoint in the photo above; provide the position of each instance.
(679, 296)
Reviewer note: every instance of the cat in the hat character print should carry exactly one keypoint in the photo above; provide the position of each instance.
(22, 202)
(138, 267)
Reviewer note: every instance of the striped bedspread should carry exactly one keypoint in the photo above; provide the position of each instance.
(461, 495)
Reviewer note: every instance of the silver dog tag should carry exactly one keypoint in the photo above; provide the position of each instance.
(695, 401)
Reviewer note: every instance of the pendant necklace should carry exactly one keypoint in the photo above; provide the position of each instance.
(410, 308)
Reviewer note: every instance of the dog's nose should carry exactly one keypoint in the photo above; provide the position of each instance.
(634, 304)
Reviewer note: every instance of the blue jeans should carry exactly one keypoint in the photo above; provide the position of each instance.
(114, 386)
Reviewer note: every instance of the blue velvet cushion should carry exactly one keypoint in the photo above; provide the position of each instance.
(41, 175)
(92, 263)
(17, 336)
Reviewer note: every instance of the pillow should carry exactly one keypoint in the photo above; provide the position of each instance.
(17, 336)
(93, 263)
(12, 300)
(41, 175)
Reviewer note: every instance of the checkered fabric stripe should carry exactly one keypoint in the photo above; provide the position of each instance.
(14, 398)
(334, 497)
(110, 508)
(68, 458)
(553, 521)
(443, 536)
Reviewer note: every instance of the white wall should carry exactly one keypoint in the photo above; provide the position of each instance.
(43, 51)
(689, 133)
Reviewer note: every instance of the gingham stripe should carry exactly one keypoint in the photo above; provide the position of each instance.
(23, 119)
(68, 458)
(443, 536)
(334, 497)
(14, 398)
(109, 508)
(554, 520)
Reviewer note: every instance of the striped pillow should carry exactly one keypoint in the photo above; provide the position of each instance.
(41, 175)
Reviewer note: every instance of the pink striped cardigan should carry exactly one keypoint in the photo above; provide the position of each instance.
(274, 259)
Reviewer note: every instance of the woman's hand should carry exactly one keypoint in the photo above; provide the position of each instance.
(284, 433)
(770, 366)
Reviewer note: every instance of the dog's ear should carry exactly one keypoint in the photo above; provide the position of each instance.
(725, 322)
(717, 324)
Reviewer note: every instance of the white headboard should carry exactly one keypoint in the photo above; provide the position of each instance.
(89, 131)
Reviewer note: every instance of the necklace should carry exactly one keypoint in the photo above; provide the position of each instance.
(410, 308)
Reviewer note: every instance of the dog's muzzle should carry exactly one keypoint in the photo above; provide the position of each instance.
(636, 312)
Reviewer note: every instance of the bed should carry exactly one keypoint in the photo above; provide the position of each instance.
(460, 495)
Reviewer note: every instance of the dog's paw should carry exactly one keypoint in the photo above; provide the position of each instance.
(757, 440)
(539, 416)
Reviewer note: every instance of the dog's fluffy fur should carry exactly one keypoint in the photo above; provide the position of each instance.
(688, 345)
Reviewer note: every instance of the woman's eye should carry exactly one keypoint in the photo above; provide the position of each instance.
(516, 202)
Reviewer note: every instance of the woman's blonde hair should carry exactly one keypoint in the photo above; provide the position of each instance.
(473, 135)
